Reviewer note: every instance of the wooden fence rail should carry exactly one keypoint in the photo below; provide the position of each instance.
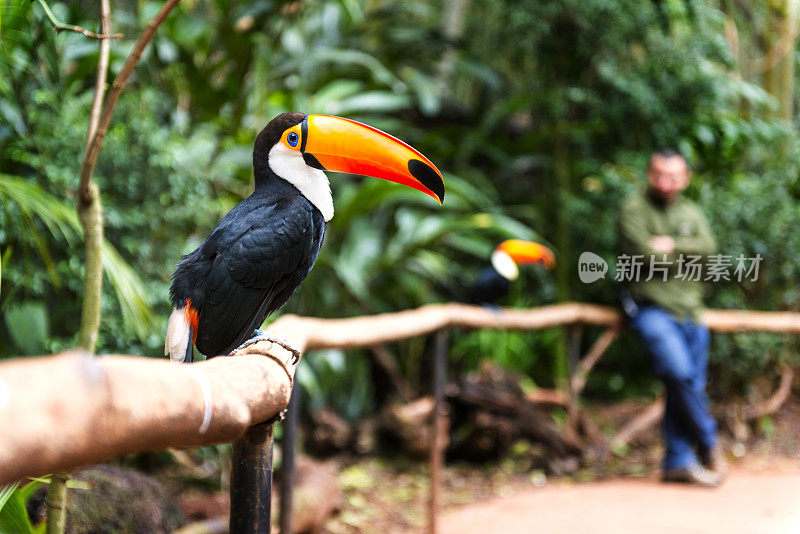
(64, 411)
(307, 333)
(60, 412)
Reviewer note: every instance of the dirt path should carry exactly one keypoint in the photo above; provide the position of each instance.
(754, 499)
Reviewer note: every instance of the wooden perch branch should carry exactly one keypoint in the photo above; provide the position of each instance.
(94, 409)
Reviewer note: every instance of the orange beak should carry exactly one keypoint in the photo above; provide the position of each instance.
(343, 145)
(523, 252)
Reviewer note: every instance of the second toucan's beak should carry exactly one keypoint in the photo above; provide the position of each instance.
(343, 145)
(523, 252)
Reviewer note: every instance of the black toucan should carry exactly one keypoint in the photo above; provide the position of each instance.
(265, 246)
(493, 282)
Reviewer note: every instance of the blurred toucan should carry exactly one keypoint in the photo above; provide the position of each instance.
(493, 282)
(265, 246)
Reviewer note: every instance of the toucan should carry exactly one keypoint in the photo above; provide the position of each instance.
(493, 282)
(265, 246)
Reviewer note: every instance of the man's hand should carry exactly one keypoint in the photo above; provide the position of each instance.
(663, 244)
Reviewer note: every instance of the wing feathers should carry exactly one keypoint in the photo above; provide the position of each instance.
(261, 255)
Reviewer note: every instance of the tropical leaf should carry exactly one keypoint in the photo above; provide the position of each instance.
(6, 492)
(13, 514)
(62, 222)
(137, 313)
(28, 326)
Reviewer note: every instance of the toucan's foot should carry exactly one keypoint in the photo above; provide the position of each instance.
(259, 335)
(492, 307)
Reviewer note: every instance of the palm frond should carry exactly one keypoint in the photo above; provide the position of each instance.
(137, 313)
(62, 222)
(6, 492)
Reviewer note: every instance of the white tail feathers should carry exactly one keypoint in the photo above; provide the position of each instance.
(178, 332)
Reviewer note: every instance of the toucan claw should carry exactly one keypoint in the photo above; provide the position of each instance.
(259, 335)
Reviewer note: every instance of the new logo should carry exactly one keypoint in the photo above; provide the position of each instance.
(591, 267)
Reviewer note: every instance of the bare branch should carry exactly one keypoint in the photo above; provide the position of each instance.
(62, 27)
(93, 147)
(89, 207)
(102, 71)
(90, 212)
(91, 218)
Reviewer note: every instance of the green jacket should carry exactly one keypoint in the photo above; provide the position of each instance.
(640, 218)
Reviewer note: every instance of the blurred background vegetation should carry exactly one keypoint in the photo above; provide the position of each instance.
(540, 113)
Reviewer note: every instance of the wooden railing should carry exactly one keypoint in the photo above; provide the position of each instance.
(67, 410)
(309, 334)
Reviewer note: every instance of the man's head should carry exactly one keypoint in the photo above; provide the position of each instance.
(668, 174)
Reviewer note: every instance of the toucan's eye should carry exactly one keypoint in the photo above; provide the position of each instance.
(292, 139)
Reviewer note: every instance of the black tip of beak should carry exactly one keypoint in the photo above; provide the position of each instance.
(427, 177)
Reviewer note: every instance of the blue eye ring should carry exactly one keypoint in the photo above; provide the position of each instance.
(293, 139)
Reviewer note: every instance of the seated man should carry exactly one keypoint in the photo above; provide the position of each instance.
(669, 237)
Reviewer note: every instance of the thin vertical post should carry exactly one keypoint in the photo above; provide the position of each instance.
(574, 351)
(288, 449)
(437, 450)
(574, 358)
(251, 481)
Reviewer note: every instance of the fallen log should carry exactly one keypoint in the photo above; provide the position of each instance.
(327, 433)
(495, 409)
(408, 427)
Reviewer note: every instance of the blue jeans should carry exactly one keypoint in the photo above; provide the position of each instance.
(679, 351)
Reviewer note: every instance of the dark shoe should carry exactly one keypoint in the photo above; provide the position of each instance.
(694, 474)
(714, 460)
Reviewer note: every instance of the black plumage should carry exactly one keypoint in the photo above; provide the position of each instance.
(254, 259)
(489, 287)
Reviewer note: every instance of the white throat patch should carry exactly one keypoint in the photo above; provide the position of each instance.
(312, 183)
(504, 265)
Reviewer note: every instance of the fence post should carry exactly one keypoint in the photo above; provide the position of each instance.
(251, 481)
(288, 449)
(437, 453)
(574, 357)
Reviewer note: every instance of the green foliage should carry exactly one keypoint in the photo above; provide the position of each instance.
(28, 326)
(27, 323)
(332, 378)
(13, 515)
